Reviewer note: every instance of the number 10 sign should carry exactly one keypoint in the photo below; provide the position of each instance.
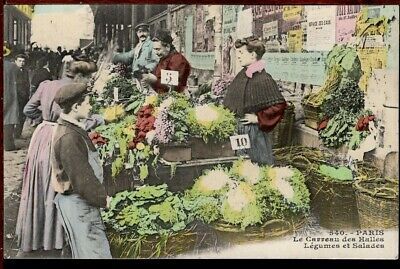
(240, 142)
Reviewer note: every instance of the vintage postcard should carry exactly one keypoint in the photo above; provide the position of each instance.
(201, 131)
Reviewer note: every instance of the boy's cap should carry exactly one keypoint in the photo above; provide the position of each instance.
(144, 26)
(70, 92)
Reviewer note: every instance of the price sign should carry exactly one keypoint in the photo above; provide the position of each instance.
(169, 77)
(240, 142)
(115, 94)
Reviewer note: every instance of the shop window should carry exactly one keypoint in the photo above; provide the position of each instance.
(203, 31)
(15, 32)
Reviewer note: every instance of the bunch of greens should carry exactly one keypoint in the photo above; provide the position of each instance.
(211, 122)
(126, 89)
(118, 136)
(341, 173)
(339, 129)
(347, 96)
(347, 59)
(283, 193)
(149, 210)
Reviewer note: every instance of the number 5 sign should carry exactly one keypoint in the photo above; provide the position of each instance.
(240, 142)
(169, 77)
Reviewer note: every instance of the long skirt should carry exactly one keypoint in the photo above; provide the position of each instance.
(260, 150)
(84, 227)
(38, 226)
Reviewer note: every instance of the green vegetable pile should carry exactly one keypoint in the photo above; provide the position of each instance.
(211, 122)
(149, 210)
(225, 196)
(341, 173)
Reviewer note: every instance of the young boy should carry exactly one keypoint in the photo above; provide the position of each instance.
(78, 176)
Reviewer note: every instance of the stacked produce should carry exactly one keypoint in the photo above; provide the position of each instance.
(340, 100)
(211, 122)
(248, 195)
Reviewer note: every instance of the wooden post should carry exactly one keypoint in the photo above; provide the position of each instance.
(134, 23)
(218, 42)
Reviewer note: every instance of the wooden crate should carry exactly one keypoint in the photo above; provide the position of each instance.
(311, 115)
(176, 152)
(201, 150)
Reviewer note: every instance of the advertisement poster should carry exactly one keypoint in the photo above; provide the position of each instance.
(270, 29)
(346, 16)
(307, 68)
(321, 28)
(245, 21)
(295, 40)
(292, 12)
(143, 131)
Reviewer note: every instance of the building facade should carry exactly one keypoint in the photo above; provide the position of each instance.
(17, 25)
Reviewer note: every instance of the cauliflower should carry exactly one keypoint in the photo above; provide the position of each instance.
(240, 207)
(279, 180)
(214, 180)
(205, 114)
(240, 196)
(249, 171)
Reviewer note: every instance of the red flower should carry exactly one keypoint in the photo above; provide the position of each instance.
(363, 122)
(131, 145)
(322, 125)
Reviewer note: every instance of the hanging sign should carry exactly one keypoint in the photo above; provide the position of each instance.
(169, 77)
(240, 142)
(115, 90)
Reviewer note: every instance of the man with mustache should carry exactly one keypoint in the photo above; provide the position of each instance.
(142, 57)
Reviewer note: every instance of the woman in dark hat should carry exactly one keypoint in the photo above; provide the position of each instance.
(38, 226)
(256, 100)
(170, 59)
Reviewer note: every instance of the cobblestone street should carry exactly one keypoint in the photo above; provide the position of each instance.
(13, 168)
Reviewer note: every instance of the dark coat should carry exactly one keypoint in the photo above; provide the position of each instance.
(10, 105)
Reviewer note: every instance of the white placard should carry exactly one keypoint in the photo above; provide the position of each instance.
(240, 142)
(169, 77)
(115, 94)
(245, 24)
(270, 29)
(321, 31)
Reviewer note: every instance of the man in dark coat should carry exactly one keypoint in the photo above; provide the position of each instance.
(10, 105)
(40, 74)
(23, 90)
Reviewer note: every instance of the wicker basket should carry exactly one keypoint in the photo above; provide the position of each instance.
(378, 203)
(333, 202)
(282, 133)
(133, 247)
(232, 234)
(311, 115)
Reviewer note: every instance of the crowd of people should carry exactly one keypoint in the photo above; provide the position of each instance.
(61, 204)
